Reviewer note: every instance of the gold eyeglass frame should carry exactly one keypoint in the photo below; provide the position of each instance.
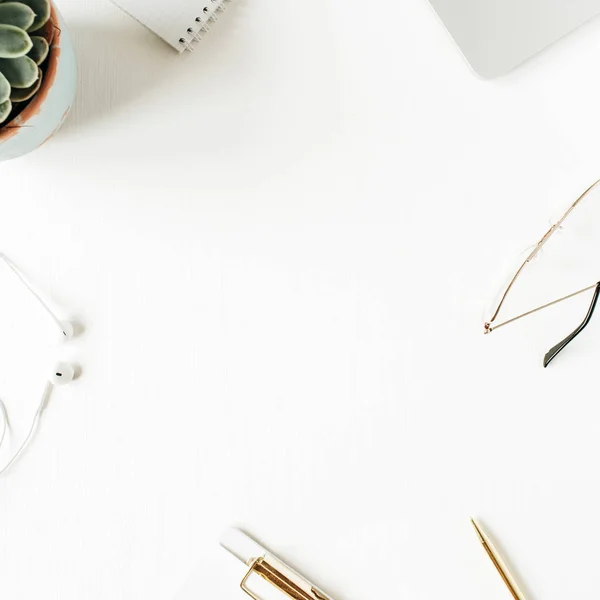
(489, 325)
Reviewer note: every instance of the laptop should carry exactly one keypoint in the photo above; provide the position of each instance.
(497, 35)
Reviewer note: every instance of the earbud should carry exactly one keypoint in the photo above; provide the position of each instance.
(67, 329)
(62, 374)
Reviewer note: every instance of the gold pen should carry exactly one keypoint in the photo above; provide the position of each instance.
(500, 565)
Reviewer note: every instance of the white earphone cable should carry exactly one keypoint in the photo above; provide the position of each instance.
(5, 423)
(63, 373)
(29, 436)
(14, 269)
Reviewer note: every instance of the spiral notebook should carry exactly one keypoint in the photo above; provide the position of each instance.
(181, 23)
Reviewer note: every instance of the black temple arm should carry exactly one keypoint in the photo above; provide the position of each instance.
(555, 350)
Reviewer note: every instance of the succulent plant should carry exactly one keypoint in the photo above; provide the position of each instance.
(23, 48)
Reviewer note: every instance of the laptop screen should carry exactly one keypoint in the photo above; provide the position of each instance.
(497, 35)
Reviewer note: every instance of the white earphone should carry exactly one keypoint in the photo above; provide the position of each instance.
(62, 374)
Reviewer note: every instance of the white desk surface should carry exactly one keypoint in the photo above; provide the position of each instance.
(279, 247)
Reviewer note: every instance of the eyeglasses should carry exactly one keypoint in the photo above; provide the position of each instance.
(586, 221)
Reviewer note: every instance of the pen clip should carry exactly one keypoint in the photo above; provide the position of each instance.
(277, 578)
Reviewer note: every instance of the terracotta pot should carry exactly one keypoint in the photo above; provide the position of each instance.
(47, 111)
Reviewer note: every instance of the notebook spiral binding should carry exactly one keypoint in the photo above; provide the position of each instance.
(203, 23)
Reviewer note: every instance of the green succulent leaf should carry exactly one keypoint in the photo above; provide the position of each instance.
(5, 109)
(14, 42)
(40, 49)
(4, 89)
(23, 94)
(17, 14)
(41, 8)
(21, 72)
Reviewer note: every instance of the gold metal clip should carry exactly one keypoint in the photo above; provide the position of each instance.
(279, 580)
